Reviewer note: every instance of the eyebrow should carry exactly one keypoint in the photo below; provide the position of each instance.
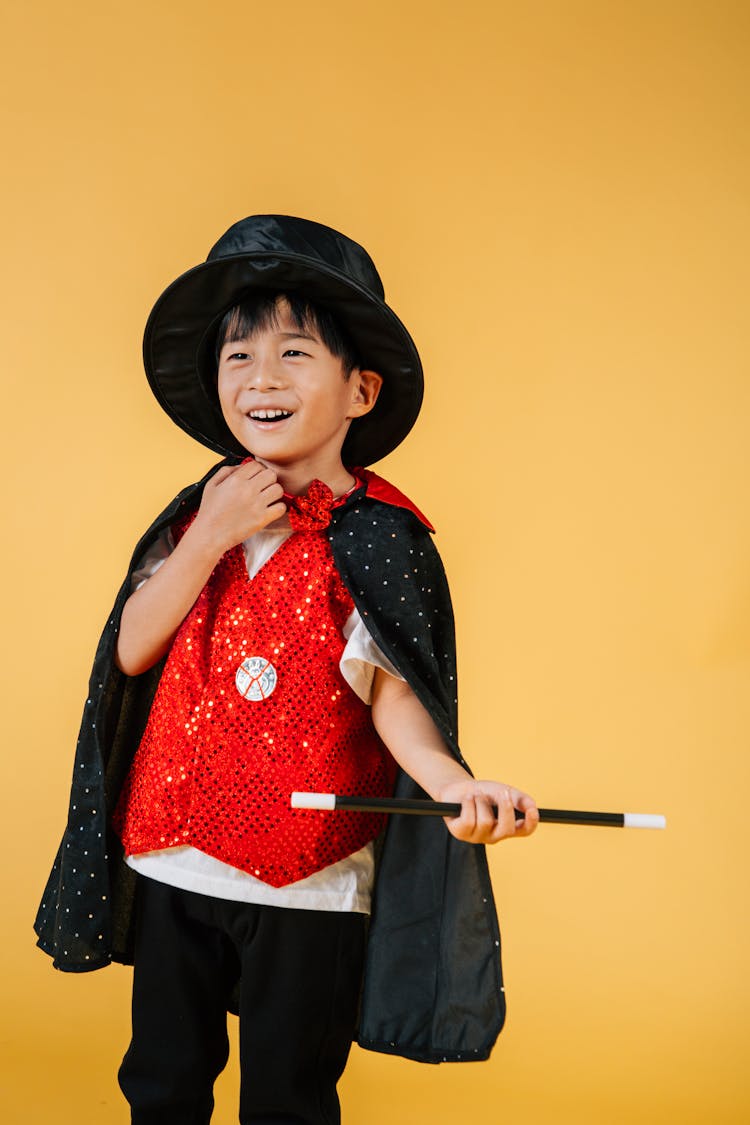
(298, 336)
(282, 335)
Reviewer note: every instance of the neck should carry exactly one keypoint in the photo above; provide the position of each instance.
(296, 479)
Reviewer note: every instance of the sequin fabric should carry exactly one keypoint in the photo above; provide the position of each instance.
(311, 512)
(252, 706)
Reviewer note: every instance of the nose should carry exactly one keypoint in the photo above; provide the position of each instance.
(265, 373)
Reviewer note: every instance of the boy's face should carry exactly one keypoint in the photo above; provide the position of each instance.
(285, 398)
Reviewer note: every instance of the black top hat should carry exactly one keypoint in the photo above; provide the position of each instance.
(278, 252)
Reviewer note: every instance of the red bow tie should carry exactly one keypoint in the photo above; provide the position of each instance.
(311, 512)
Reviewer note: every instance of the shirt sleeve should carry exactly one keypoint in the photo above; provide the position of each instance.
(361, 657)
(158, 553)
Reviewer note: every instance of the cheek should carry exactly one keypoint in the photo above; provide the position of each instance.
(228, 407)
(226, 390)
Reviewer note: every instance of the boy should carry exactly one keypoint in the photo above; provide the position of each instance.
(286, 625)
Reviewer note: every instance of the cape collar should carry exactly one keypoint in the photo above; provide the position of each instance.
(378, 488)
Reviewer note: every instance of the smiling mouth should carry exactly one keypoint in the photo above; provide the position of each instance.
(269, 415)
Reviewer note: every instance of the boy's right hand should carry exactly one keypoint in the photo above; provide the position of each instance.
(238, 501)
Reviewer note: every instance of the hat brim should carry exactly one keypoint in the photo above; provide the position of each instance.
(180, 335)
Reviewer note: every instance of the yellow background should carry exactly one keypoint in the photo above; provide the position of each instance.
(556, 195)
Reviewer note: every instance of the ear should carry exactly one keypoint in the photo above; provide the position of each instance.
(366, 388)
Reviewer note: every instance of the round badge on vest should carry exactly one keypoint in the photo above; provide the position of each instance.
(256, 678)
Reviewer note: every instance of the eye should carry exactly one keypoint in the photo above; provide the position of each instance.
(294, 352)
(239, 355)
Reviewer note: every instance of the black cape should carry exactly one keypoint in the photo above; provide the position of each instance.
(433, 985)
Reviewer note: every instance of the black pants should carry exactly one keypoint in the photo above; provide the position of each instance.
(299, 975)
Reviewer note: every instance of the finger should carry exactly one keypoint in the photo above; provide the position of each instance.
(464, 825)
(487, 820)
(468, 816)
(252, 470)
(221, 475)
(520, 799)
(526, 805)
(506, 815)
(272, 491)
(530, 822)
(272, 513)
(250, 476)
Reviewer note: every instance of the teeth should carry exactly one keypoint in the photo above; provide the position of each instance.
(268, 415)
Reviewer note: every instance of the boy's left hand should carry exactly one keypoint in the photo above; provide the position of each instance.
(516, 815)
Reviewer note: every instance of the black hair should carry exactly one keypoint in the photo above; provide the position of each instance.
(259, 311)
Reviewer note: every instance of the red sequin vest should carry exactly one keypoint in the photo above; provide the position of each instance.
(251, 706)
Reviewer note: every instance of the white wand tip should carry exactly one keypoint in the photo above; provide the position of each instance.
(644, 820)
(313, 801)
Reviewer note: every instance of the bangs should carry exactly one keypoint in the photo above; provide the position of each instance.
(259, 312)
